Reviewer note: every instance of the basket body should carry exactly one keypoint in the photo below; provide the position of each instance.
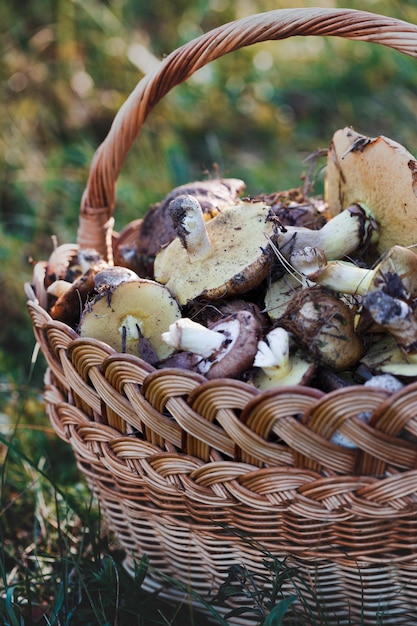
(182, 495)
(206, 477)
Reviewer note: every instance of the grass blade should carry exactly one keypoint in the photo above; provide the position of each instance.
(276, 616)
(13, 621)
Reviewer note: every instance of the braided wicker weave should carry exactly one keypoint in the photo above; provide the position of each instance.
(203, 475)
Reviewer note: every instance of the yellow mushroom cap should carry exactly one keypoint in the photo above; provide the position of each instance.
(239, 258)
(380, 173)
(133, 311)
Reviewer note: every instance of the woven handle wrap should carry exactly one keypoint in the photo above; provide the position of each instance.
(96, 216)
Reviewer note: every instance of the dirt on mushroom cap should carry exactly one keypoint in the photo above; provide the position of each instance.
(240, 259)
(380, 173)
(155, 230)
(324, 326)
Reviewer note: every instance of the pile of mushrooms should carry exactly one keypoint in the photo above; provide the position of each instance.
(278, 289)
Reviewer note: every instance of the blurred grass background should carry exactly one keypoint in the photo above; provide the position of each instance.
(68, 65)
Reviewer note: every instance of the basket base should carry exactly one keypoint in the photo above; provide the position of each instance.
(303, 615)
(176, 597)
(319, 590)
(207, 562)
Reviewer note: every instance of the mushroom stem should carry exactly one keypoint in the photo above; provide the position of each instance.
(188, 220)
(189, 336)
(395, 273)
(275, 366)
(346, 232)
(273, 353)
(339, 276)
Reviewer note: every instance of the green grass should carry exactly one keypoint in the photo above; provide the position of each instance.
(57, 566)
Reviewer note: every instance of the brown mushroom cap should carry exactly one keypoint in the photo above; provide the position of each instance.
(132, 312)
(239, 260)
(293, 208)
(243, 331)
(68, 307)
(380, 173)
(324, 327)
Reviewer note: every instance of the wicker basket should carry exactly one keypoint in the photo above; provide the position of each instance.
(202, 476)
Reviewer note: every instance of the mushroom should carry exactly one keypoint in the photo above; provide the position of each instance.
(380, 173)
(351, 230)
(274, 364)
(61, 260)
(280, 293)
(57, 267)
(386, 356)
(293, 208)
(58, 288)
(228, 255)
(384, 381)
(131, 316)
(308, 261)
(396, 272)
(69, 305)
(141, 240)
(111, 277)
(324, 327)
(38, 282)
(87, 258)
(397, 317)
(126, 253)
(226, 350)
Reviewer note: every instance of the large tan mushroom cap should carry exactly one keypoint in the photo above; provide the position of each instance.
(380, 173)
(239, 260)
(141, 240)
(136, 311)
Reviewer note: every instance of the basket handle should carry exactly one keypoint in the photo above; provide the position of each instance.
(97, 205)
